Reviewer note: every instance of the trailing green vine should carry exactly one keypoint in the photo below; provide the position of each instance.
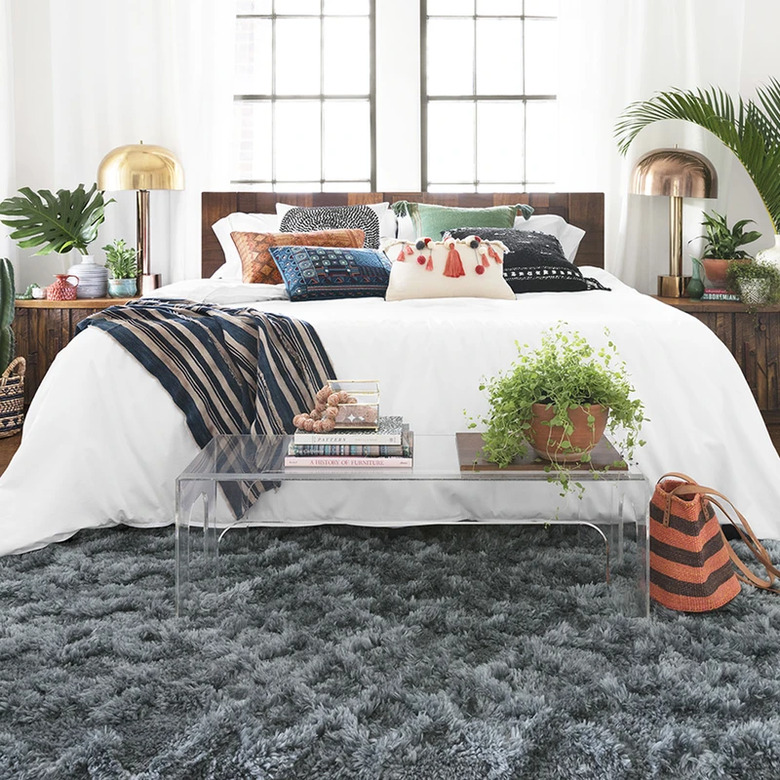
(565, 371)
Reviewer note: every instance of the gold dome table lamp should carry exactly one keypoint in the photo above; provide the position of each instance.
(677, 174)
(141, 167)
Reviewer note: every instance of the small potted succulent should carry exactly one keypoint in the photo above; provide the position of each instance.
(122, 262)
(758, 283)
(722, 246)
(560, 398)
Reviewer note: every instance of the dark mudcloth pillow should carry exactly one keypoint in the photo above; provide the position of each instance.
(306, 219)
(534, 262)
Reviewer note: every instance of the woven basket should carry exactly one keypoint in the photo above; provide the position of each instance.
(12, 398)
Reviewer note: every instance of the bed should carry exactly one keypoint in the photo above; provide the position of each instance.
(103, 443)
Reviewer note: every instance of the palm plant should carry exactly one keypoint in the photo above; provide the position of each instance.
(751, 129)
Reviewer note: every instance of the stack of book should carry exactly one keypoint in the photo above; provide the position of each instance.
(718, 294)
(389, 445)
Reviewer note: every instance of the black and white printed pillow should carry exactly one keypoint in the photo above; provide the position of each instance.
(534, 262)
(305, 219)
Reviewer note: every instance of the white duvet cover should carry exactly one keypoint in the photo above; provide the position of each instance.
(103, 442)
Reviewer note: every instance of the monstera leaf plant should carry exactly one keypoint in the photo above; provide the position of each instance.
(750, 128)
(55, 223)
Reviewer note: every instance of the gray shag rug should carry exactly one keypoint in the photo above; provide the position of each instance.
(353, 653)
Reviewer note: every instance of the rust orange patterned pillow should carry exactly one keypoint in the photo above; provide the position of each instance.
(257, 265)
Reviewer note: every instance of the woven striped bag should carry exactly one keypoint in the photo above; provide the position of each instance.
(693, 567)
(12, 398)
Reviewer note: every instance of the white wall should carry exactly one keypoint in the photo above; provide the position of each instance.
(7, 173)
(398, 97)
(89, 75)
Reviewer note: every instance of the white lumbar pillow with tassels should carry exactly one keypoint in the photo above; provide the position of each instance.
(453, 268)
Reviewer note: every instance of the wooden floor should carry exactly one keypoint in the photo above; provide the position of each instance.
(8, 446)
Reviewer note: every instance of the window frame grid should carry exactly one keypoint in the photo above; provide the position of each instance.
(321, 97)
(475, 98)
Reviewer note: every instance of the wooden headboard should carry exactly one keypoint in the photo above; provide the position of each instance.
(583, 209)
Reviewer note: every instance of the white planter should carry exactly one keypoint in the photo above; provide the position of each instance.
(93, 277)
(754, 292)
(772, 254)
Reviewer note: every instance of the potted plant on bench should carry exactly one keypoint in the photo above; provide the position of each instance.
(121, 261)
(757, 283)
(723, 246)
(560, 398)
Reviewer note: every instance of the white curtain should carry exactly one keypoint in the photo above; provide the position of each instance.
(6, 120)
(616, 53)
(157, 71)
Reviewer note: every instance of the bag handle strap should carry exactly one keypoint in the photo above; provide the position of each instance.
(16, 365)
(691, 487)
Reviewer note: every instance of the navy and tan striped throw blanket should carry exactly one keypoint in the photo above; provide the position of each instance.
(230, 370)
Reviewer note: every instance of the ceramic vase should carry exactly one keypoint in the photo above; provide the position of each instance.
(62, 289)
(546, 439)
(93, 277)
(695, 288)
(122, 288)
(772, 254)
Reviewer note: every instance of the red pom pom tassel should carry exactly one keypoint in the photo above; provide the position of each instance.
(485, 261)
(400, 258)
(454, 266)
(429, 264)
(492, 252)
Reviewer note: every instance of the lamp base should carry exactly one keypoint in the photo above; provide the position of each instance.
(150, 282)
(673, 286)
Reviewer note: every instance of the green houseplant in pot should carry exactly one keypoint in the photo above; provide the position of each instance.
(121, 261)
(559, 398)
(11, 369)
(758, 283)
(60, 223)
(749, 128)
(723, 246)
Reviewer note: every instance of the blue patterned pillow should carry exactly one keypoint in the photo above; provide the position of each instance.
(313, 273)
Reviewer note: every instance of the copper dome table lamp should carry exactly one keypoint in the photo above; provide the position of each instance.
(141, 167)
(677, 174)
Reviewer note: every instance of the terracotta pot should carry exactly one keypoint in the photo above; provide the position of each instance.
(546, 439)
(715, 269)
(62, 289)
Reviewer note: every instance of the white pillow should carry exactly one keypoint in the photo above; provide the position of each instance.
(406, 230)
(240, 222)
(420, 273)
(387, 219)
(568, 235)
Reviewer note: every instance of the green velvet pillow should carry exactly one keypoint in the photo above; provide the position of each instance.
(431, 220)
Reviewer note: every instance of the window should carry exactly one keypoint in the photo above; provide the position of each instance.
(489, 87)
(304, 103)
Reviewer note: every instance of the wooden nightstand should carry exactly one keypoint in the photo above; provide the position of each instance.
(754, 340)
(43, 328)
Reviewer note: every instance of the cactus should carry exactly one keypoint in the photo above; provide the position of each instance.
(7, 291)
